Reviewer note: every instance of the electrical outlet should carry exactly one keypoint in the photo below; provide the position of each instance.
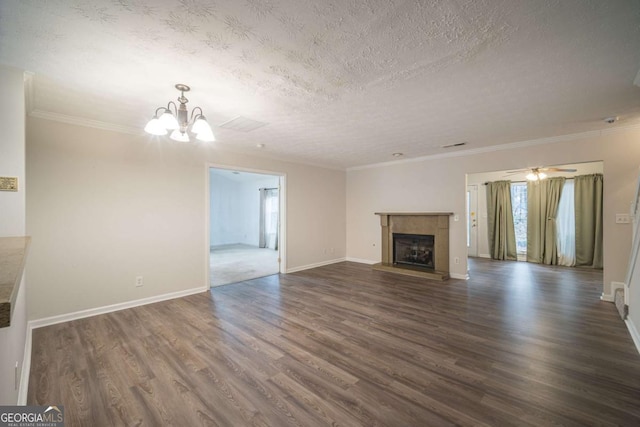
(456, 260)
(139, 281)
(456, 217)
(623, 219)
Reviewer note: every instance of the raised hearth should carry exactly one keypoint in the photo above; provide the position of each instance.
(415, 244)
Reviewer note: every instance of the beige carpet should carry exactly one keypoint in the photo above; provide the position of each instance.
(236, 263)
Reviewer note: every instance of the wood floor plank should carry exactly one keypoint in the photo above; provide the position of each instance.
(518, 344)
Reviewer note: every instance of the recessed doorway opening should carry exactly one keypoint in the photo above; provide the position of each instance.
(245, 224)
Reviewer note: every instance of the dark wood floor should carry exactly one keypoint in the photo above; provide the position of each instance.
(518, 344)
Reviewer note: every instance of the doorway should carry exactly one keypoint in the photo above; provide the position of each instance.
(518, 193)
(245, 218)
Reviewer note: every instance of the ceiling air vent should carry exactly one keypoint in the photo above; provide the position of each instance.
(458, 144)
(242, 124)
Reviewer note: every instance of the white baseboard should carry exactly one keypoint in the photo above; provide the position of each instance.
(459, 276)
(611, 296)
(484, 256)
(46, 321)
(606, 297)
(635, 336)
(362, 261)
(26, 370)
(317, 264)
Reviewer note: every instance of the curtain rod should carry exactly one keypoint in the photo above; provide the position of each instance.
(485, 183)
(275, 188)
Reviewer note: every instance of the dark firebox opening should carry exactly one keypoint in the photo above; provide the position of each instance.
(414, 249)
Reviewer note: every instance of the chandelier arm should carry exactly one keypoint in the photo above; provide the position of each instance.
(159, 109)
(195, 116)
(175, 108)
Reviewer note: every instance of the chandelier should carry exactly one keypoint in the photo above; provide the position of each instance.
(178, 120)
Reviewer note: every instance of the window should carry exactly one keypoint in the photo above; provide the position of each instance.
(519, 207)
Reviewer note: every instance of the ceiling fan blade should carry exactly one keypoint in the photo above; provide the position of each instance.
(559, 170)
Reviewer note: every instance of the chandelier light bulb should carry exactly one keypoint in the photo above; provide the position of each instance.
(168, 120)
(155, 127)
(175, 117)
(176, 135)
(200, 125)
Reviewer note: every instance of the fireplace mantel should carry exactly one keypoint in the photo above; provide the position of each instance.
(427, 223)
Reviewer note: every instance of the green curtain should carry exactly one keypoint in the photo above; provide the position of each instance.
(543, 198)
(502, 235)
(588, 205)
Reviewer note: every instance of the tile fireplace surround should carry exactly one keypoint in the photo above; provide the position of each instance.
(429, 223)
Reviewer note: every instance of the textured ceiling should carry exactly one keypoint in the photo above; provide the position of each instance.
(339, 83)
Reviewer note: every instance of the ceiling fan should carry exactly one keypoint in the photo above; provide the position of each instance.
(536, 174)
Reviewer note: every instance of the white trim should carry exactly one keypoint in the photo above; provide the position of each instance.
(314, 265)
(47, 321)
(282, 196)
(79, 121)
(635, 244)
(610, 297)
(459, 276)
(607, 297)
(361, 261)
(500, 147)
(484, 256)
(635, 336)
(26, 368)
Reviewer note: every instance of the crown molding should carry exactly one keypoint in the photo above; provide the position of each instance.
(79, 121)
(501, 147)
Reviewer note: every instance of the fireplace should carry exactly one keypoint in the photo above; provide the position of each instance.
(414, 249)
(415, 244)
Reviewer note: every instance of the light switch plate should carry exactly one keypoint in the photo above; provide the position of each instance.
(8, 183)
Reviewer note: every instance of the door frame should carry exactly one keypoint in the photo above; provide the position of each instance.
(282, 228)
(472, 242)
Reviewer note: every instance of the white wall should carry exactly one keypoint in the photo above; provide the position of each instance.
(227, 218)
(251, 205)
(478, 179)
(12, 223)
(438, 184)
(235, 208)
(106, 207)
(634, 304)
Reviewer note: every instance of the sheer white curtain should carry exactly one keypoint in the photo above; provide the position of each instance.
(269, 215)
(566, 226)
(271, 219)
